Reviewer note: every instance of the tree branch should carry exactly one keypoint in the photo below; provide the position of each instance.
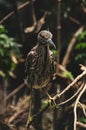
(11, 13)
(15, 91)
(37, 25)
(76, 105)
(71, 45)
(71, 84)
(62, 103)
(81, 124)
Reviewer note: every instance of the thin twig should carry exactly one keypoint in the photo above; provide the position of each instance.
(11, 13)
(62, 103)
(19, 110)
(70, 85)
(15, 91)
(83, 108)
(71, 45)
(76, 105)
(83, 67)
(41, 21)
(80, 124)
(74, 20)
(83, 7)
(37, 25)
(34, 20)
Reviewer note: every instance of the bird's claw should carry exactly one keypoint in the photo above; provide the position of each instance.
(28, 122)
(52, 102)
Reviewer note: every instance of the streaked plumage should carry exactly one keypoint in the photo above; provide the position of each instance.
(39, 65)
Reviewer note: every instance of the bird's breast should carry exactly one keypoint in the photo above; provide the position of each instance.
(40, 71)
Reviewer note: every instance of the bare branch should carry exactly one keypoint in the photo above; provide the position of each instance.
(76, 105)
(20, 109)
(70, 85)
(83, 67)
(41, 21)
(71, 45)
(62, 103)
(37, 25)
(83, 7)
(15, 91)
(83, 107)
(81, 124)
(11, 13)
(74, 20)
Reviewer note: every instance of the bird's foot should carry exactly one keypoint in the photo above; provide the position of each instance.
(52, 102)
(28, 122)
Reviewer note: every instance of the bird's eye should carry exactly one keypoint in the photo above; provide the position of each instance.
(42, 41)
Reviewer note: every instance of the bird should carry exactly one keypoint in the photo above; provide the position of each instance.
(39, 64)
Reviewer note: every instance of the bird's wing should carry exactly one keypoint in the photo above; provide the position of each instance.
(28, 67)
(29, 63)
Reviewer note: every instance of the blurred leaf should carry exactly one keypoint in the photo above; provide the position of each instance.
(2, 73)
(14, 59)
(5, 3)
(68, 75)
(80, 48)
(80, 56)
(82, 119)
(11, 74)
(82, 36)
(1, 52)
(81, 45)
(9, 53)
(55, 52)
(2, 29)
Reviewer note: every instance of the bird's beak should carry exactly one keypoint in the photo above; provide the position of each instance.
(50, 42)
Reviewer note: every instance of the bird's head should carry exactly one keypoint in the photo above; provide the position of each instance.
(45, 38)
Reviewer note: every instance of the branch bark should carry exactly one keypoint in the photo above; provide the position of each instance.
(76, 105)
(71, 45)
(37, 25)
(80, 124)
(70, 85)
(11, 13)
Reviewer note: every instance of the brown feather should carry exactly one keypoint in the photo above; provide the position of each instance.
(39, 66)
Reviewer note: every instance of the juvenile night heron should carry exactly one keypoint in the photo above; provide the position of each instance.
(39, 65)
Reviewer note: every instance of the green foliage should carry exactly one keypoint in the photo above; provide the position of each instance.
(68, 75)
(9, 53)
(84, 2)
(55, 53)
(82, 119)
(80, 48)
(5, 3)
(80, 57)
(81, 45)
(2, 29)
(82, 36)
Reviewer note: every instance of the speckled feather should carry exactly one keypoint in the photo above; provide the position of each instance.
(39, 66)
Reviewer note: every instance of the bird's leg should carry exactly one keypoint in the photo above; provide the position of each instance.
(51, 99)
(30, 108)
